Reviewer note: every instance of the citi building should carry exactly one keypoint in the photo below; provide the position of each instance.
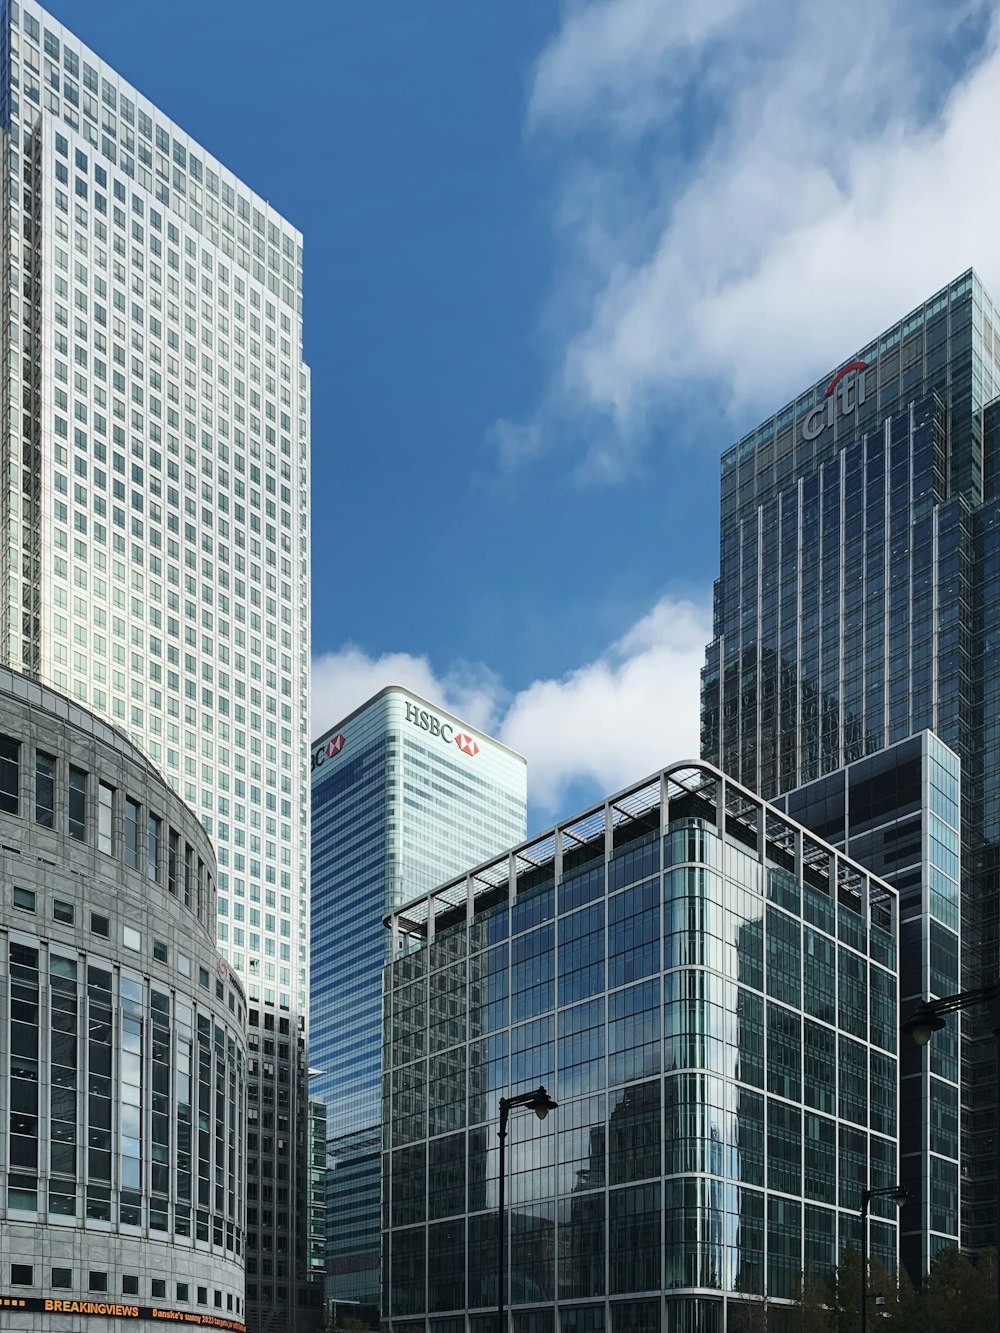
(856, 627)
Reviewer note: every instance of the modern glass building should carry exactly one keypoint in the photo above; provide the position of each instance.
(857, 604)
(154, 545)
(123, 1056)
(899, 813)
(403, 794)
(709, 992)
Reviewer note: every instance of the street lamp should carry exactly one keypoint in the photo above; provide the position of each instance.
(928, 1018)
(899, 1196)
(539, 1101)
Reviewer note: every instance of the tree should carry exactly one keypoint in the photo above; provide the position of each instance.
(813, 1312)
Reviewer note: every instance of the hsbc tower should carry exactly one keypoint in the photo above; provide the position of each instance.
(403, 795)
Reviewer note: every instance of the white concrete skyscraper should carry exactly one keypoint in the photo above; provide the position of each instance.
(154, 515)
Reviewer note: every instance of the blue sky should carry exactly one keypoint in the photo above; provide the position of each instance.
(558, 257)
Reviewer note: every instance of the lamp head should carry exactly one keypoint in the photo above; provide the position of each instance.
(541, 1103)
(899, 1195)
(923, 1023)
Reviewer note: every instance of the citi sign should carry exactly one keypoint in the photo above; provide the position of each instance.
(426, 721)
(332, 747)
(839, 400)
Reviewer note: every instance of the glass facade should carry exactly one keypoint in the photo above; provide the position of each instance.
(855, 607)
(402, 793)
(709, 993)
(154, 456)
(898, 812)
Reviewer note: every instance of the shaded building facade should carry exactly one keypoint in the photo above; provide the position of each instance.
(709, 992)
(857, 605)
(899, 813)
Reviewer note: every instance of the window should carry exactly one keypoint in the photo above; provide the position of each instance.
(173, 860)
(130, 1284)
(182, 1291)
(24, 898)
(159, 1288)
(21, 1275)
(99, 925)
(105, 814)
(153, 826)
(9, 774)
(62, 1278)
(78, 804)
(131, 833)
(131, 938)
(45, 789)
(63, 912)
(159, 951)
(98, 1281)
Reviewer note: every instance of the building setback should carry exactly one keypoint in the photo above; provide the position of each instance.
(898, 812)
(154, 558)
(123, 1057)
(857, 605)
(709, 992)
(403, 794)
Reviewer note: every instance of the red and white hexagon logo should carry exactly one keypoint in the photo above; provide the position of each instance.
(466, 744)
(334, 745)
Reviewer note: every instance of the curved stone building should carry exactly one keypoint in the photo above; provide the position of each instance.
(122, 1037)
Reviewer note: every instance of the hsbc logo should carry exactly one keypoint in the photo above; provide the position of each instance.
(327, 751)
(840, 401)
(426, 721)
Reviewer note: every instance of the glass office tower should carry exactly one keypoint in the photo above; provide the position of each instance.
(857, 605)
(154, 558)
(709, 992)
(403, 793)
(898, 812)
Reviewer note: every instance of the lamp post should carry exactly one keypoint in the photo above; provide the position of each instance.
(929, 1017)
(899, 1196)
(539, 1101)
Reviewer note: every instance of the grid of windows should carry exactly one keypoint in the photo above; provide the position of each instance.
(858, 552)
(697, 1143)
(154, 468)
(395, 805)
(170, 420)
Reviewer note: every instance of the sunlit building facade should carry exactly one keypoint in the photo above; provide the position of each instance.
(403, 792)
(709, 992)
(154, 547)
(123, 1056)
(858, 604)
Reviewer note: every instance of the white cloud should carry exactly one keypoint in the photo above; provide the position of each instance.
(616, 719)
(343, 680)
(750, 189)
(601, 726)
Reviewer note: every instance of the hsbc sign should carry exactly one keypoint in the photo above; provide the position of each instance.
(426, 721)
(844, 394)
(327, 751)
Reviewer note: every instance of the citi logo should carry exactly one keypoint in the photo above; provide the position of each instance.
(839, 390)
